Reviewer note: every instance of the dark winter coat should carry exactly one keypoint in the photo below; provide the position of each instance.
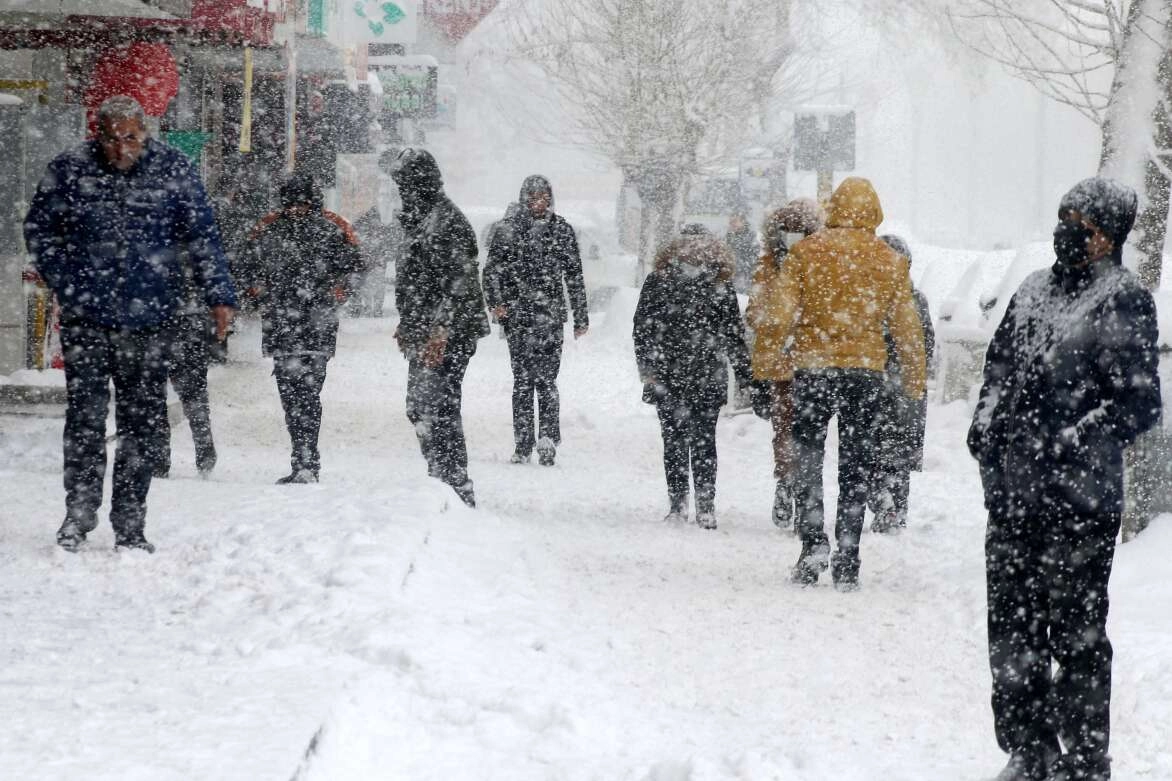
(745, 251)
(299, 264)
(688, 326)
(531, 266)
(912, 414)
(109, 243)
(437, 284)
(1070, 381)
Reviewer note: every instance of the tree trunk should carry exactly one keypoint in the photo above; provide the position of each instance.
(1137, 120)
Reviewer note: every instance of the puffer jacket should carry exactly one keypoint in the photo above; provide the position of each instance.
(688, 327)
(298, 263)
(838, 287)
(1070, 380)
(437, 284)
(531, 266)
(110, 244)
(771, 361)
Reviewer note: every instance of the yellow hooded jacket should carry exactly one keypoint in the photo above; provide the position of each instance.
(837, 288)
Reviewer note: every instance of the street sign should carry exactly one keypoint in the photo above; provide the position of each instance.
(824, 139)
(380, 21)
(409, 85)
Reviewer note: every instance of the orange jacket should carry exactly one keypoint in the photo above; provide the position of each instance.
(770, 361)
(837, 288)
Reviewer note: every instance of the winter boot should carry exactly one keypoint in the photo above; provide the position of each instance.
(519, 457)
(1073, 767)
(811, 563)
(205, 460)
(546, 450)
(705, 512)
(783, 505)
(466, 494)
(886, 522)
(1024, 766)
(133, 541)
(299, 476)
(70, 536)
(844, 568)
(679, 510)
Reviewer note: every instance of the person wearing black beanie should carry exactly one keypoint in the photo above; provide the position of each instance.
(1070, 380)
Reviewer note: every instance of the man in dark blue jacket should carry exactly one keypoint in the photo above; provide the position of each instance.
(107, 229)
(533, 261)
(1070, 381)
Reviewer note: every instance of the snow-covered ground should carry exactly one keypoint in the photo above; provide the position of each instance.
(560, 631)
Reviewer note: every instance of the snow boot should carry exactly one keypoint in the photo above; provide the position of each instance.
(679, 510)
(844, 568)
(783, 505)
(811, 563)
(546, 451)
(466, 494)
(705, 512)
(1072, 767)
(70, 536)
(519, 457)
(299, 476)
(1024, 766)
(133, 541)
(205, 460)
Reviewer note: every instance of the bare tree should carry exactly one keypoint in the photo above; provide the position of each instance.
(1107, 59)
(660, 87)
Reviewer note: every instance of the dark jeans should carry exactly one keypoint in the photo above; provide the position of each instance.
(689, 444)
(136, 361)
(189, 375)
(850, 394)
(890, 483)
(299, 381)
(536, 358)
(434, 397)
(1047, 580)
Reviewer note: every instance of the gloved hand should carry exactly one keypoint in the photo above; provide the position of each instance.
(761, 398)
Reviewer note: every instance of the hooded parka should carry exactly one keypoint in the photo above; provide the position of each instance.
(836, 290)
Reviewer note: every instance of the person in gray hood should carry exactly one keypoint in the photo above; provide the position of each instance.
(533, 262)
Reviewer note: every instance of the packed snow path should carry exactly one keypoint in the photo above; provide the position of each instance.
(561, 631)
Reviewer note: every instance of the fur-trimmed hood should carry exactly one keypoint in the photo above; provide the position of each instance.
(703, 252)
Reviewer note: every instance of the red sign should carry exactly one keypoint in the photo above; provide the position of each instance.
(456, 18)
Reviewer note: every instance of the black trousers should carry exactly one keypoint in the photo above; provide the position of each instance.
(536, 358)
(136, 362)
(300, 379)
(189, 376)
(434, 397)
(689, 446)
(890, 483)
(1047, 580)
(852, 395)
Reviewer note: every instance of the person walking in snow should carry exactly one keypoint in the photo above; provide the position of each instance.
(298, 261)
(773, 370)
(106, 230)
(533, 262)
(833, 296)
(441, 313)
(1070, 380)
(742, 242)
(900, 423)
(192, 336)
(687, 329)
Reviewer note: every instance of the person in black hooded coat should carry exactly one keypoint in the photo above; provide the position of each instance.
(532, 261)
(687, 330)
(298, 260)
(1070, 380)
(441, 313)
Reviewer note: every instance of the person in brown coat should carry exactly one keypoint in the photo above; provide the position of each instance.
(773, 370)
(832, 297)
